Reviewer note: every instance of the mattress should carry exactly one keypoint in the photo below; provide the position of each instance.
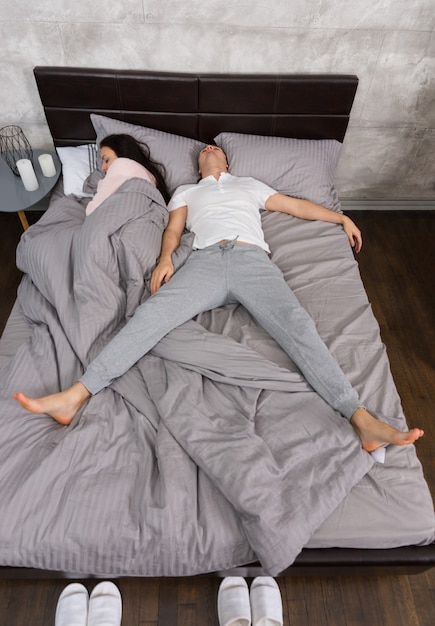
(128, 489)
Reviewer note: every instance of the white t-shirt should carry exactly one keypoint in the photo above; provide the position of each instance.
(224, 209)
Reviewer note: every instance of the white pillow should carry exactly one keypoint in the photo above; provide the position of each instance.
(77, 163)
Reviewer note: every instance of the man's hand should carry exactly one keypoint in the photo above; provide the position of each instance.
(353, 233)
(170, 242)
(307, 210)
(161, 274)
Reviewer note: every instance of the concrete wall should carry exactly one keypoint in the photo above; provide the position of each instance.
(390, 44)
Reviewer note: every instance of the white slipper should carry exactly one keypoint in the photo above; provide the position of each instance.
(266, 603)
(72, 606)
(105, 605)
(233, 602)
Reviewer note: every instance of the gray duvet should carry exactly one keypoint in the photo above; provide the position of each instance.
(212, 451)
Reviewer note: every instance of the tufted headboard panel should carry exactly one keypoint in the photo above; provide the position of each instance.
(196, 105)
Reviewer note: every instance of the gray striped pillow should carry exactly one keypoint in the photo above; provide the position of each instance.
(178, 155)
(301, 168)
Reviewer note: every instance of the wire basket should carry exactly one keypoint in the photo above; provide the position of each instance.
(14, 146)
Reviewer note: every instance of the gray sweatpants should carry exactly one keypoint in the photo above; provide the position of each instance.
(223, 274)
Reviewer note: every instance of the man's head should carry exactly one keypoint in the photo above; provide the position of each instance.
(212, 159)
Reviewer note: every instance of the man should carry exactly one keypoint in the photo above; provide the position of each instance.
(229, 263)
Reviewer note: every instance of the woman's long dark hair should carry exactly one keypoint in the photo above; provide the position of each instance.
(127, 147)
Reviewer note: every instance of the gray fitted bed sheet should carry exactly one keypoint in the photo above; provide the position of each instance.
(152, 477)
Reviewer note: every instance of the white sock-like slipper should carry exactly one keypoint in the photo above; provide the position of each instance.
(233, 602)
(72, 606)
(266, 603)
(105, 605)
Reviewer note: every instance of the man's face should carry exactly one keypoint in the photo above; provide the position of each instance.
(212, 156)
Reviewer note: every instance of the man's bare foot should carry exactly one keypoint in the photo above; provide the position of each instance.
(375, 434)
(61, 406)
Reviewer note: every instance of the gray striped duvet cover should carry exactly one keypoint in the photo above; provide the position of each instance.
(212, 451)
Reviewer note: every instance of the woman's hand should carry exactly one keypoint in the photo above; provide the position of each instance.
(163, 272)
(353, 233)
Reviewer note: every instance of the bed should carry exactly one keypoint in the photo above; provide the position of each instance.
(211, 455)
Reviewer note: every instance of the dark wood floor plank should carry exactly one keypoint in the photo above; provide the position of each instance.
(293, 596)
(150, 594)
(317, 609)
(5, 594)
(423, 592)
(333, 598)
(10, 232)
(187, 614)
(358, 598)
(140, 601)
(168, 602)
(206, 599)
(188, 594)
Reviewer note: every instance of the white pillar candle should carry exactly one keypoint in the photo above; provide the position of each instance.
(47, 165)
(27, 174)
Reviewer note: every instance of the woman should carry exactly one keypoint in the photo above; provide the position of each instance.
(124, 158)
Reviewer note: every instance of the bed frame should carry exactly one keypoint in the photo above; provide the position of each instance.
(200, 106)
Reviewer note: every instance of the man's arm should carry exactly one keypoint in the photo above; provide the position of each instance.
(310, 211)
(170, 242)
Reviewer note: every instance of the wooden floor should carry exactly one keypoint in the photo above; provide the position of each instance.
(398, 266)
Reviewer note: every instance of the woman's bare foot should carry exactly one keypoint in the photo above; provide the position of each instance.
(374, 433)
(61, 406)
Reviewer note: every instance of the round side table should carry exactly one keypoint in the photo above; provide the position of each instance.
(14, 197)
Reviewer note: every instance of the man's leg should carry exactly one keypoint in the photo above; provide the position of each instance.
(261, 288)
(197, 286)
(259, 285)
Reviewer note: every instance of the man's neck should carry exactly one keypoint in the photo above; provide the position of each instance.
(216, 172)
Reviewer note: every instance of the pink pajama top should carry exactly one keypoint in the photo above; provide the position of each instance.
(121, 169)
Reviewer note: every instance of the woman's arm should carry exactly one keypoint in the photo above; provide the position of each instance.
(170, 242)
(307, 210)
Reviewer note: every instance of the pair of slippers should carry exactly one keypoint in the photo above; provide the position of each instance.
(102, 608)
(239, 607)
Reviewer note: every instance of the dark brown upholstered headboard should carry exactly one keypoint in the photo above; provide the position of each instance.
(196, 105)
